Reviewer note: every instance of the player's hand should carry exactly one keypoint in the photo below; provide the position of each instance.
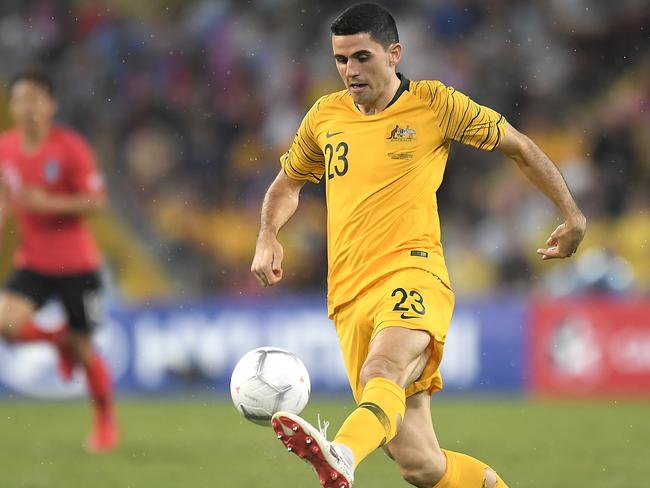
(564, 240)
(267, 263)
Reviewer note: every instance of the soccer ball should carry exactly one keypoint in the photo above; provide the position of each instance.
(267, 380)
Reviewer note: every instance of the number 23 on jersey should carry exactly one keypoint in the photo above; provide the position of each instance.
(337, 159)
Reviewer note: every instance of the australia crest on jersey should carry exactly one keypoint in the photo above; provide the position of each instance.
(52, 170)
(400, 132)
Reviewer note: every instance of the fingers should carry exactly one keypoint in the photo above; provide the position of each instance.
(562, 243)
(267, 263)
(552, 241)
(261, 277)
(263, 274)
(267, 268)
(549, 253)
(258, 269)
(276, 270)
(554, 252)
(277, 262)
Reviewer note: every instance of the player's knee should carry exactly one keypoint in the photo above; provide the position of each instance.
(8, 331)
(419, 467)
(379, 366)
(388, 452)
(424, 474)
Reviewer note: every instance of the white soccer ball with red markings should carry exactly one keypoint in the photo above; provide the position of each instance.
(268, 380)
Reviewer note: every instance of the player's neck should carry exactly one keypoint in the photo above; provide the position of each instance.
(33, 137)
(383, 100)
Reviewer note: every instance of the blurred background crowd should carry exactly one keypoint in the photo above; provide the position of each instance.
(189, 105)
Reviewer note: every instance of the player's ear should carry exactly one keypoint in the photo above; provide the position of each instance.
(394, 53)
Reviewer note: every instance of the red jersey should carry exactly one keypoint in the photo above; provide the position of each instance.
(64, 164)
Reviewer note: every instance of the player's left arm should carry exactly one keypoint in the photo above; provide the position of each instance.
(87, 187)
(543, 173)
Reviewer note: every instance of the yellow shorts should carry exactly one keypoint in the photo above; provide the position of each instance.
(410, 298)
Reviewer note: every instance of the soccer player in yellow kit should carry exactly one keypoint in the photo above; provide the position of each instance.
(381, 146)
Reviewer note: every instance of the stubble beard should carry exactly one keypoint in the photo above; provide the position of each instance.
(361, 99)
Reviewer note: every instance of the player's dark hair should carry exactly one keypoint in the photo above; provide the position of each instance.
(34, 75)
(367, 17)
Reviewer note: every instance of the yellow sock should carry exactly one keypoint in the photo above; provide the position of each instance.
(464, 471)
(375, 420)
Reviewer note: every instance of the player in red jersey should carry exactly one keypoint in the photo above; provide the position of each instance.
(49, 180)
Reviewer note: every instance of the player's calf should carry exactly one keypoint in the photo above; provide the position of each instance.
(419, 467)
(423, 476)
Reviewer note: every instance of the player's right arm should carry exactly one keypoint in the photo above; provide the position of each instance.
(304, 161)
(280, 203)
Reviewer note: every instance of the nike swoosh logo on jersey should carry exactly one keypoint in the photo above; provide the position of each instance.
(332, 134)
(404, 316)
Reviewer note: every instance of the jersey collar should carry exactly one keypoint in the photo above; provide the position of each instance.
(403, 86)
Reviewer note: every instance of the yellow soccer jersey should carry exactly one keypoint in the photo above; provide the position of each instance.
(381, 173)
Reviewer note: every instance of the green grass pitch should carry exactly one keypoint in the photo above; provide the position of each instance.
(204, 443)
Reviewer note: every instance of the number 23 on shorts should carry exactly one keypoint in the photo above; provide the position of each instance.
(410, 303)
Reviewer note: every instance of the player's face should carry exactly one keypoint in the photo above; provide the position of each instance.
(366, 68)
(31, 104)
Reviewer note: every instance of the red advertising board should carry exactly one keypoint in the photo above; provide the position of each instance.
(596, 346)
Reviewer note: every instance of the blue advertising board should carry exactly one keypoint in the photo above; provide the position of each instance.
(192, 347)
(485, 346)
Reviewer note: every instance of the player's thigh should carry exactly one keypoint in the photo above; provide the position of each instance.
(415, 448)
(81, 299)
(24, 293)
(397, 353)
(15, 310)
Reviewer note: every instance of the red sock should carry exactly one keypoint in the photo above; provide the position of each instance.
(100, 388)
(30, 332)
